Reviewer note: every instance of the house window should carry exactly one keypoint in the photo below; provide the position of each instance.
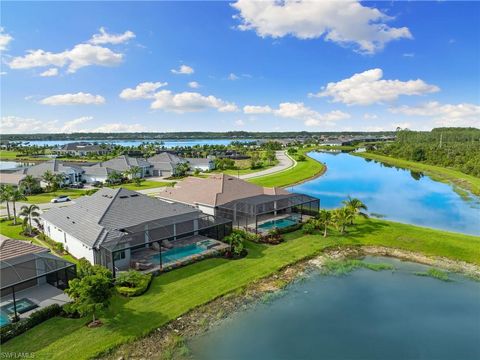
(119, 255)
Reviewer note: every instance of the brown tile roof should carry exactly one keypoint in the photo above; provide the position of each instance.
(216, 190)
(10, 248)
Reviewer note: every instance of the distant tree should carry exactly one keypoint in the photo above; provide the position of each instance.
(114, 177)
(30, 184)
(181, 169)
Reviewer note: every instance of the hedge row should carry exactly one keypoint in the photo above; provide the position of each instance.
(137, 290)
(9, 331)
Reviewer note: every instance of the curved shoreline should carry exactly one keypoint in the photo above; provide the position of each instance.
(171, 337)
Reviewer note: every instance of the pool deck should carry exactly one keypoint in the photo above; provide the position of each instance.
(145, 255)
(42, 295)
(251, 227)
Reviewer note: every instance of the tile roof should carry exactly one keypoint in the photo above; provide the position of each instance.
(216, 190)
(124, 162)
(92, 219)
(10, 248)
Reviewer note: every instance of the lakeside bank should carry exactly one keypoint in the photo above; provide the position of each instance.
(176, 293)
(437, 173)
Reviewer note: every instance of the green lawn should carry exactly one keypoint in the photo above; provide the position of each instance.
(9, 155)
(147, 184)
(13, 231)
(457, 178)
(176, 292)
(46, 197)
(302, 171)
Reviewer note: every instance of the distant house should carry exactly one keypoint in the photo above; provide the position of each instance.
(31, 278)
(246, 204)
(71, 173)
(81, 149)
(113, 225)
(11, 178)
(202, 164)
(164, 164)
(120, 164)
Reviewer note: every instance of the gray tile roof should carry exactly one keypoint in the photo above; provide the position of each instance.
(53, 165)
(165, 161)
(124, 162)
(81, 146)
(93, 219)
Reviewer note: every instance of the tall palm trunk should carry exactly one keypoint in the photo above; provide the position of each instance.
(14, 213)
(8, 210)
(325, 231)
(30, 224)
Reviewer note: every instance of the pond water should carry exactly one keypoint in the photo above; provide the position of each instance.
(167, 143)
(363, 315)
(396, 194)
(12, 165)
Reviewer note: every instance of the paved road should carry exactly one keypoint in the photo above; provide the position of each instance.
(284, 162)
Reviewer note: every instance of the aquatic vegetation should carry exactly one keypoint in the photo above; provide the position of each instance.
(343, 267)
(435, 273)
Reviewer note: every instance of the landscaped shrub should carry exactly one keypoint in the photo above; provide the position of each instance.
(9, 331)
(308, 228)
(133, 283)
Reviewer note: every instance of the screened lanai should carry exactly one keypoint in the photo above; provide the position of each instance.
(165, 243)
(261, 213)
(32, 281)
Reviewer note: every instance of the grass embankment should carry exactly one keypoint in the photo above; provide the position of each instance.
(181, 290)
(455, 177)
(302, 171)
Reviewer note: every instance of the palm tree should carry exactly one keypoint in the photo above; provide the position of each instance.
(5, 191)
(29, 183)
(341, 217)
(29, 212)
(49, 178)
(325, 219)
(16, 195)
(134, 173)
(355, 206)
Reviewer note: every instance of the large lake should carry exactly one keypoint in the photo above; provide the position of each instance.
(397, 194)
(167, 143)
(363, 315)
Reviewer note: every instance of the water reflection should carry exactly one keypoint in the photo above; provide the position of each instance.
(396, 193)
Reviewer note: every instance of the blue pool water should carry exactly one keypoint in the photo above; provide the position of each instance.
(178, 253)
(397, 194)
(4, 320)
(273, 224)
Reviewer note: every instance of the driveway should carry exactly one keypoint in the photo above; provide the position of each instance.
(284, 162)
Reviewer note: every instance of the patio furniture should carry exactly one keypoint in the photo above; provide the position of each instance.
(167, 244)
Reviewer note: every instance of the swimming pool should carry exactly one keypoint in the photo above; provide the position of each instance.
(23, 305)
(280, 223)
(175, 254)
(4, 319)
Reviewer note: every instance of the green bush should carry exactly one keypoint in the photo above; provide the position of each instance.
(9, 331)
(308, 228)
(133, 283)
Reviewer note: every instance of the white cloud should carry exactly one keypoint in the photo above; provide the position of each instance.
(145, 90)
(105, 38)
(252, 109)
(233, 77)
(463, 114)
(367, 88)
(368, 116)
(299, 111)
(79, 56)
(50, 72)
(5, 39)
(189, 102)
(20, 125)
(344, 22)
(239, 122)
(73, 99)
(194, 84)
(183, 70)
(409, 55)
(117, 127)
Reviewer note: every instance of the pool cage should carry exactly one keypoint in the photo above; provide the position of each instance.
(26, 271)
(249, 212)
(115, 252)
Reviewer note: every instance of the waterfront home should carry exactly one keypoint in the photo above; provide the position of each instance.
(124, 163)
(249, 206)
(119, 228)
(202, 164)
(81, 149)
(31, 278)
(71, 173)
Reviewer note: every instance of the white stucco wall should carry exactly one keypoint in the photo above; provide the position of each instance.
(93, 178)
(206, 209)
(74, 246)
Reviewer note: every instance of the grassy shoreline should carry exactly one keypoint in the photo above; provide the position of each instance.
(437, 173)
(177, 292)
(301, 172)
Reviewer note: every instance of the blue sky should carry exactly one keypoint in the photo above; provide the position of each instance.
(316, 66)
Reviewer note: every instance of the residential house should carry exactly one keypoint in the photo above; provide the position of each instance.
(71, 173)
(165, 164)
(117, 227)
(202, 164)
(30, 278)
(120, 164)
(249, 206)
(82, 149)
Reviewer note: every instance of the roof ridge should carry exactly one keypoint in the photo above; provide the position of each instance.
(117, 191)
